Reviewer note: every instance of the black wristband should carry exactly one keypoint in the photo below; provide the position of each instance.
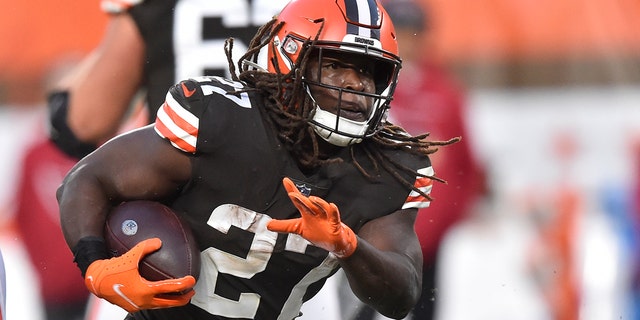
(88, 250)
(59, 132)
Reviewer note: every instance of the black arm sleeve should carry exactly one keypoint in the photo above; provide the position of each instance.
(88, 250)
(59, 132)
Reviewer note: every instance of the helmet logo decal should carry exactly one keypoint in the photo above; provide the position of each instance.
(365, 13)
(290, 46)
(303, 189)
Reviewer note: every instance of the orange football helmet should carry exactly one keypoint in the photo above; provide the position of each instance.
(359, 27)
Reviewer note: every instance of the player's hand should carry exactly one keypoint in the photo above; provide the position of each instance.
(118, 6)
(319, 223)
(118, 281)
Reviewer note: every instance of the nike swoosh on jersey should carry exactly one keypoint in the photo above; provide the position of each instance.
(187, 93)
(116, 289)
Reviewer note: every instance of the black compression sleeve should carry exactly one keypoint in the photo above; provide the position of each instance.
(60, 133)
(88, 250)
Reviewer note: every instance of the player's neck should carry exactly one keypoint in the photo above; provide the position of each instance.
(327, 150)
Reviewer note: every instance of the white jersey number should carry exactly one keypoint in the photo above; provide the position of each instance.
(216, 261)
(202, 26)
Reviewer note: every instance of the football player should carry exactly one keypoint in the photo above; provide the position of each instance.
(148, 46)
(285, 175)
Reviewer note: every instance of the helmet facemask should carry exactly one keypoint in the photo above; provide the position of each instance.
(331, 122)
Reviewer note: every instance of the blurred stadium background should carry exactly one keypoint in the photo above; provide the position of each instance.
(554, 105)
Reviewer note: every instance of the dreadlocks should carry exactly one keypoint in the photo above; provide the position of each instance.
(290, 109)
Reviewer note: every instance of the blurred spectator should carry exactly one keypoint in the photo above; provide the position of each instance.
(428, 99)
(16, 123)
(3, 289)
(42, 167)
(634, 285)
(63, 292)
(35, 39)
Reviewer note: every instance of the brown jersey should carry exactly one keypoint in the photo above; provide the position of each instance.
(249, 272)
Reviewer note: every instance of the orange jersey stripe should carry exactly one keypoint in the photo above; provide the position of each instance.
(173, 125)
(424, 184)
(162, 129)
(179, 121)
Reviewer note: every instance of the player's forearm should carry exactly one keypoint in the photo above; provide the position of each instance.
(390, 282)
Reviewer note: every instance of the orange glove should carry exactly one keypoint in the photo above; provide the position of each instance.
(319, 223)
(118, 281)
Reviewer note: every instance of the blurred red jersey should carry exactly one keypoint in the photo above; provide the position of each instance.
(427, 99)
(43, 169)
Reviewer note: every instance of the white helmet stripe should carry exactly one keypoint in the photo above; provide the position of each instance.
(364, 18)
(365, 12)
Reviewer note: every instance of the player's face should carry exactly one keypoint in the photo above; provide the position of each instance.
(343, 71)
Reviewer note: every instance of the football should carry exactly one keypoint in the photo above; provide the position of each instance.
(134, 221)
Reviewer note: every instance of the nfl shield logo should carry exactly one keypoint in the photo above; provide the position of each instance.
(303, 189)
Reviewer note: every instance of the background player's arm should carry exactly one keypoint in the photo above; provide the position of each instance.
(104, 83)
(385, 271)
